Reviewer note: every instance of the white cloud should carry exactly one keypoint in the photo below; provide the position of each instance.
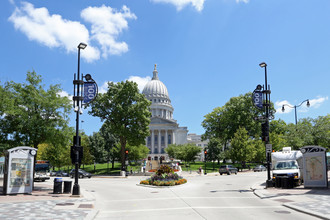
(180, 4)
(140, 81)
(314, 103)
(54, 31)
(107, 24)
(65, 94)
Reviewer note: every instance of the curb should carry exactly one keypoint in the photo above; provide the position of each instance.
(309, 212)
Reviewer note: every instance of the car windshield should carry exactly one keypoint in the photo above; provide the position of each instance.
(285, 165)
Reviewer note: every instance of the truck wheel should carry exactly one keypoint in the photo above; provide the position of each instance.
(220, 173)
(228, 173)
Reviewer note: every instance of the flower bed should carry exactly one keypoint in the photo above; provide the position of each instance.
(164, 176)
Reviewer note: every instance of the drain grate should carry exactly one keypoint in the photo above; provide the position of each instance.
(283, 212)
(86, 206)
(65, 204)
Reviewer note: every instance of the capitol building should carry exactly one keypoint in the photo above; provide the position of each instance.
(164, 130)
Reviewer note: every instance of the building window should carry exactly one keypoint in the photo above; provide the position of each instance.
(149, 141)
(163, 151)
(169, 139)
(150, 151)
(156, 150)
(156, 140)
(163, 141)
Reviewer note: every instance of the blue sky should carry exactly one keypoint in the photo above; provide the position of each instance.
(206, 51)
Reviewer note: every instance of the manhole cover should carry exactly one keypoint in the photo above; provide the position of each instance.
(154, 192)
(65, 204)
(283, 200)
(283, 212)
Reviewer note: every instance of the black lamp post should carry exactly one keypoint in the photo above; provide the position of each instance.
(295, 107)
(269, 182)
(77, 102)
(205, 154)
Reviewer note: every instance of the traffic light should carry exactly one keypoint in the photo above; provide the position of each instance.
(73, 150)
(126, 154)
(205, 154)
(265, 131)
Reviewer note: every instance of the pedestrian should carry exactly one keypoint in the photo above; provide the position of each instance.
(144, 168)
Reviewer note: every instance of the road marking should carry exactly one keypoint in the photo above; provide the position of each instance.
(198, 207)
(179, 198)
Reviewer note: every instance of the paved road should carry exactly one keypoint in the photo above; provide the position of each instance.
(203, 197)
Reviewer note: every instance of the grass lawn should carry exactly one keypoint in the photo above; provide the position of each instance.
(106, 169)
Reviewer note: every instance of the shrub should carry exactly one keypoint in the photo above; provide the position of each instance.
(164, 176)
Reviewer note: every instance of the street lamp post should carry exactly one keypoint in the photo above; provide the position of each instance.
(77, 102)
(269, 182)
(295, 107)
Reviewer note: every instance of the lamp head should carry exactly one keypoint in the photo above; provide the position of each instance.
(259, 87)
(88, 77)
(82, 46)
(263, 64)
(308, 104)
(283, 109)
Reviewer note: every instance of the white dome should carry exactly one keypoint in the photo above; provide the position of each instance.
(155, 88)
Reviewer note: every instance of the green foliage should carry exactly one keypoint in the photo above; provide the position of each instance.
(29, 113)
(126, 111)
(185, 152)
(164, 169)
(241, 147)
(223, 122)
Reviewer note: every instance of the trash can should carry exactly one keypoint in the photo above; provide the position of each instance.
(57, 186)
(278, 182)
(287, 182)
(67, 186)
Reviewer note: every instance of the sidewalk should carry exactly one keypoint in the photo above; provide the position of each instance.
(43, 204)
(314, 201)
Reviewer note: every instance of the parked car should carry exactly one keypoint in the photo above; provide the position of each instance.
(61, 173)
(259, 168)
(81, 173)
(228, 169)
(53, 173)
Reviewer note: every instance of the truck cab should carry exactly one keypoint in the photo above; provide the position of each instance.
(287, 163)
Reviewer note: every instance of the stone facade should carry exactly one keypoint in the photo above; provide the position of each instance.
(164, 130)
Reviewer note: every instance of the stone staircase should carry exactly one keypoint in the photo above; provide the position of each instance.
(154, 165)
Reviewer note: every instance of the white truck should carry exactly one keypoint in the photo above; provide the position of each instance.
(288, 163)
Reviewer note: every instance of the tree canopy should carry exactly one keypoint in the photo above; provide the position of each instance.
(29, 114)
(126, 112)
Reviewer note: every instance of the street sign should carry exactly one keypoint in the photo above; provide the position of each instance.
(90, 91)
(257, 99)
(268, 148)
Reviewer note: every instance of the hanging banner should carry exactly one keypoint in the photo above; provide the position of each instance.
(257, 99)
(90, 91)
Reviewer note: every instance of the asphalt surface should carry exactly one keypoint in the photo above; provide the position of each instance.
(43, 204)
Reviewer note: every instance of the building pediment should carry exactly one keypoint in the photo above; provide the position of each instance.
(162, 121)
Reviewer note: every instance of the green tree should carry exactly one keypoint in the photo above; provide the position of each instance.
(137, 153)
(30, 114)
(127, 113)
(214, 151)
(96, 142)
(185, 152)
(241, 147)
(109, 142)
(223, 122)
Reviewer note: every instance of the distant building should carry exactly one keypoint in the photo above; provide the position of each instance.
(197, 140)
(164, 130)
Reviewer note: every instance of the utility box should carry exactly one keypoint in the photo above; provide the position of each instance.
(18, 171)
